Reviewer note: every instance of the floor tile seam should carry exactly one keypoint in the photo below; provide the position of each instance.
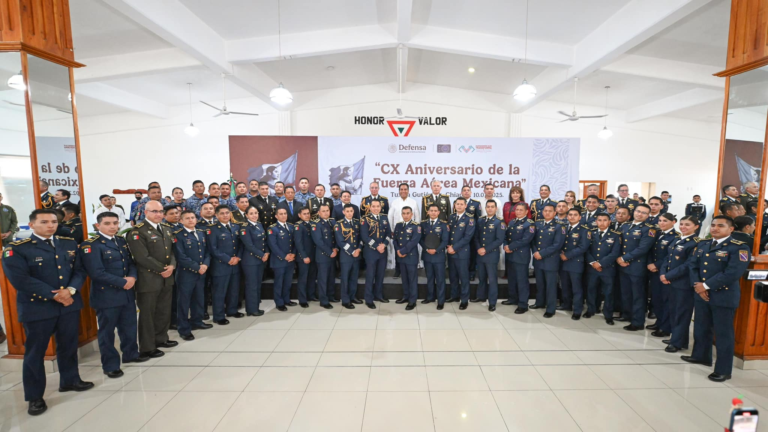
(705, 415)
(666, 387)
(113, 392)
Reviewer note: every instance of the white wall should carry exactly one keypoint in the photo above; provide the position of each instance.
(124, 151)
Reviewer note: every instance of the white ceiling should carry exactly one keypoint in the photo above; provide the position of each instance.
(491, 31)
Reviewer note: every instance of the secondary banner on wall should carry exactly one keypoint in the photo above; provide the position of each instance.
(355, 162)
(57, 164)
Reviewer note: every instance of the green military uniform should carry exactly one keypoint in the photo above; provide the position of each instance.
(443, 202)
(152, 250)
(8, 222)
(314, 204)
(745, 198)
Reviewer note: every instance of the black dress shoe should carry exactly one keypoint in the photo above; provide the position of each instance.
(660, 333)
(652, 327)
(206, 316)
(258, 313)
(315, 299)
(326, 306)
(452, 300)
(188, 337)
(718, 378)
(622, 319)
(671, 349)
(282, 308)
(224, 321)
(114, 374)
(564, 308)
(491, 308)
(651, 315)
(348, 305)
(589, 315)
(304, 305)
(548, 315)
(508, 302)
(371, 305)
(236, 315)
(153, 354)
(425, 301)
(535, 307)
(333, 300)
(79, 386)
(291, 303)
(576, 317)
(520, 311)
(411, 306)
(632, 328)
(401, 301)
(440, 307)
(36, 407)
(609, 321)
(356, 301)
(168, 344)
(140, 359)
(666, 341)
(383, 300)
(476, 300)
(173, 327)
(690, 359)
(462, 306)
(206, 326)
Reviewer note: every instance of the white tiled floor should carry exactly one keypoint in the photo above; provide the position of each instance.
(392, 370)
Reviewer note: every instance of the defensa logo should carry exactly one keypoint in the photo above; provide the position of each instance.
(406, 148)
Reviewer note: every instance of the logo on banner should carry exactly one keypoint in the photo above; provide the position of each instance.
(443, 148)
(467, 149)
(401, 128)
(392, 148)
(484, 148)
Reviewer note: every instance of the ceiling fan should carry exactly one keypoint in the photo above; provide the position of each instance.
(49, 106)
(223, 110)
(574, 116)
(400, 115)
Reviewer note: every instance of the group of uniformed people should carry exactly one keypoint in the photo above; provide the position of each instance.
(163, 264)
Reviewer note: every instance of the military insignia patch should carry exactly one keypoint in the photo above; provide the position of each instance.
(174, 239)
(652, 232)
(471, 222)
(563, 228)
(297, 228)
(208, 231)
(269, 231)
(314, 228)
(503, 226)
(87, 250)
(136, 236)
(8, 253)
(71, 253)
(743, 255)
(532, 229)
(589, 235)
(242, 231)
(336, 228)
(418, 229)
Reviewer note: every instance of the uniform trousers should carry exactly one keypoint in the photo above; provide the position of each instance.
(409, 275)
(326, 281)
(604, 280)
(307, 286)
(350, 270)
(38, 333)
(374, 278)
(226, 293)
(435, 281)
(660, 295)
(518, 287)
(174, 299)
(122, 318)
(191, 300)
(459, 277)
(283, 281)
(714, 321)
(682, 300)
(488, 288)
(154, 317)
(573, 290)
(253, 276)
(634, 299)
(546, 289)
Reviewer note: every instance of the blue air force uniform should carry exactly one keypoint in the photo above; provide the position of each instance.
(322, 236)
(519, 235)
(637, 240)
(375, 230)
(406, 237)
(590, 218)
(537, 205)
(719, 267)
(253, 237)
(434, 265)
(281, 244)
(660, 292)
(489, 236)
(191, 250)
(347, 234)
(108, 262)
(223, 244)
(35, 268)
(305, 248)
(676, 269)
(473, 210)
(576, 243)
(548, 242)
(365, 204)
(604, 249)
(462, 232)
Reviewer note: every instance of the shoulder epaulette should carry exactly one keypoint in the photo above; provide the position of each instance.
(384, 215)
(616, 232)
(211, 224)
(16, 243)
(91, 239)
(332, 220)
(650, 225)
(178, 231)
(737, 242)
(65, 238)
(139, 225)
(445, 195)
(530, 220)
(697, 239)
(387, 199)
(198, 229)
(585, 226)
(165, 224)
(288, 224)
(274, 224)
(743, 195)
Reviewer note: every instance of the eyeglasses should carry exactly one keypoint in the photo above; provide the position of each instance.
(154, 211)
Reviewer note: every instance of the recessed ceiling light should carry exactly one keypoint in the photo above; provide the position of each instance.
(330, 68)
(471, 70)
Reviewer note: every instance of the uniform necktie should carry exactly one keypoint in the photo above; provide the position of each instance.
(159, 230)
(50, 242)
(602, 234)
(290, 205)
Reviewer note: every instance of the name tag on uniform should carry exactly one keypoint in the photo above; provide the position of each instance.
(38, 259)
(679, 248)
(461, 225)
(438, 229)
(637, 233)
(519, 227)
(575, 235)
(153, 237)
(609, 241)
(664, 242)
(409, 230)
(721, 253)
(551, 229)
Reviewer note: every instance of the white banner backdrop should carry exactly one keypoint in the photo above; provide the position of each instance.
(57, 164)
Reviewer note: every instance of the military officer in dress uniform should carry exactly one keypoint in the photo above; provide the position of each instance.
(47, 274)
(675, 275)
(253, 238)
(730, 194)
(365, 203)
(266, 204)
(604, 249)
(46, 198)
(238, 214)
(657, 257)
(325, 255)
(576, 243)
(489, 237)
(696, 209)
(282, 258)
(406, 237)
(716, 267)
(305, 248)
(592, 190)
(347, 234)
(433, 256)
(657, 209)
(151, 246)
(72, 221)
(590, 211)
(319, 199)
(751, 190)
(376, 234)
(443, 202)
(462, 231)
(193, 259)
(624, 199)
(637, 239)
(546, 248)
(537, 204)
(473, 210)
(517, 248)
(113, 275)
(226, 253)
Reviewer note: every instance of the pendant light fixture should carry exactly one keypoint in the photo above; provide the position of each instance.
(16, 82)
(605, 133)
(280, 95)
(525, 92)
(191, 130)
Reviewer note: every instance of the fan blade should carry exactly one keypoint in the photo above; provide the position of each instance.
(409, 117)
(564, 113)
(564, 120)
(243, 113)
(206, 103)
(597, 116)
(220, 113)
